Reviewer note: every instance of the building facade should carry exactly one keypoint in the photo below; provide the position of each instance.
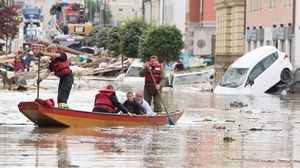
(270, 23)
(9, 2)
(171, 12)
(152, 11)
(200, 27)
(122, 10)
(230, 25)
(194, 18)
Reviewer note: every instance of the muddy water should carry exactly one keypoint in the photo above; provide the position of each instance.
(262, 132)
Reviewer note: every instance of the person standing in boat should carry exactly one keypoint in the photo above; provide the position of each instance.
(60, 65)
(133, 106)
(152, 88)
(106, 101)
(139, 98)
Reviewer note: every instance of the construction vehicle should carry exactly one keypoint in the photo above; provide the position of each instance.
(70, 18)
(32, 15)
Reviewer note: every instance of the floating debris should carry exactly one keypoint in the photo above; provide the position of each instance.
(238, 104)
(206, 120)
(218, 126)
(117, 150)
(257, 129)
(228, 139)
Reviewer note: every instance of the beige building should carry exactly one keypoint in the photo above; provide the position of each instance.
(229, 34)
(152, 11)
(123, 10)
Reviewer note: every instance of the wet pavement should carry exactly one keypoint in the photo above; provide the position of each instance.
(214, 131)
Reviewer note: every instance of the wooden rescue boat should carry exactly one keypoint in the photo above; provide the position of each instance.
(44, 116)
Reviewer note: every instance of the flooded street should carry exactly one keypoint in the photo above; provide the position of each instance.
(261, 131)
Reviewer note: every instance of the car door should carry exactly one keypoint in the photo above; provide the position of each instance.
(263, 75)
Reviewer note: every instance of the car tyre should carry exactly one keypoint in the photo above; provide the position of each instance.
(285, 76)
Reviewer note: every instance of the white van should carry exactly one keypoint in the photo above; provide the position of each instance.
(256, 72)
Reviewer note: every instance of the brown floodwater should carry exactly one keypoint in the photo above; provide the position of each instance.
(260, 131)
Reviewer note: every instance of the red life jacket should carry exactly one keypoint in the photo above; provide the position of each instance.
(60, 68)
(156, 73)
(18, 58)
(102, 100)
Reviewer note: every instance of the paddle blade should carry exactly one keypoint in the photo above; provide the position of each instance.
(170, 121)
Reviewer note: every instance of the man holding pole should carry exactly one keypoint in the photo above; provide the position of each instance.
(59, 64)
(153, 71)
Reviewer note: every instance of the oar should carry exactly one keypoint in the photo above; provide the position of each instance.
(169, 118)
(38, 74)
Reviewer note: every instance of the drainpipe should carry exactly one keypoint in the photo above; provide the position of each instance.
(245, 8)
(143, 9)
(202, 13)
(293, 32)
(294, 15)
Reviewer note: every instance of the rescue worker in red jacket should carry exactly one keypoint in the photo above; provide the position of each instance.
(59, 64)
(107, 101)
(18, 64)
(151, 89)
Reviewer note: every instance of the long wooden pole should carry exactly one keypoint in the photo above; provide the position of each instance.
(66, 49)
(38, 74)
(171, 122)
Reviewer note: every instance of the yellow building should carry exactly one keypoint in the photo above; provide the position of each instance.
(230, 23)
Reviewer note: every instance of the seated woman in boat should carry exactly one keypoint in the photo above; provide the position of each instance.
(106, 101)
(139, 97)
(133, 106)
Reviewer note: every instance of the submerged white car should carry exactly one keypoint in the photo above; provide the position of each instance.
(191, 81)
(256, 72)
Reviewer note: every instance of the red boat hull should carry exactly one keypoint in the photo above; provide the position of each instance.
(57, 117)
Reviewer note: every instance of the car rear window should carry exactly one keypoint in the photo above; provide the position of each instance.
(269, 60)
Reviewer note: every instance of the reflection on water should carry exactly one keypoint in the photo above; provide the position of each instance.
(265, 133)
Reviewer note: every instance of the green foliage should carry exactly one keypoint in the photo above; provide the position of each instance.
(92, 35)
(114, 41)
(1, 3)
(164, 41)
(101, 38)
(131, 33)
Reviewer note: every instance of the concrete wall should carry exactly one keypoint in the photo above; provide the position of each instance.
(156, 11)
(297, 36)
(122, 10)
(174, 13)
(200, 26)
(270, 23)
(266, 14)
(202, 44)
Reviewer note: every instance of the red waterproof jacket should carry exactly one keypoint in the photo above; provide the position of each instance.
(103, 101)
(156, 73)
(60, 68)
